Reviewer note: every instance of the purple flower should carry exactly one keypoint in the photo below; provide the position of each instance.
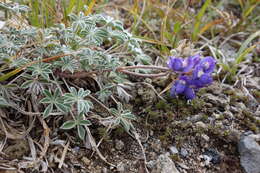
(208, 64)
(196, 59)
(182, 87)
(204, 80)
(188, 84)
(182, 65)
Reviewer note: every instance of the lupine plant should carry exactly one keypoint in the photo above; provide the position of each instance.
(40, 62)
(49, 65)
(194, 73)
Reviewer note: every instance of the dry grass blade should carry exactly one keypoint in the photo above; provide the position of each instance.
(64, 152)
(12, 133)
(32, 147)
(46, 133)
(94, 146)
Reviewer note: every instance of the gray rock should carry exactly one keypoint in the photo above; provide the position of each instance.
(215, 100)
(184, 152)
(200, 124)
(121, 167)
(196, 118)
(205, 137)
(119, 145)
(212, 155)
(174, 150)
(164, 165)
(157, 145)
(249, 151)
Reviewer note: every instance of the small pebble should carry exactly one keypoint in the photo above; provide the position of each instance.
(212, 156)
(119, 145)
(201, 124)
(184, 152)
(205, 137)
(174, 150)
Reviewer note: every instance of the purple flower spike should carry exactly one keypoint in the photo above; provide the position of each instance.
(182, 87)
(179, 86)
(196, 59)
(187, 85)
(202, 81)
(189, 93)
(208, 64)
(175, 64)
(180, 64)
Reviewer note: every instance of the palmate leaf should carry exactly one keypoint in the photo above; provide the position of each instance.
(118, 35)
(84, 106)
(70, 65)
(81, 22)
(123, 117)
(89, 58)
(78, 97)
(42, 69)
(55, 99)
(94, 36)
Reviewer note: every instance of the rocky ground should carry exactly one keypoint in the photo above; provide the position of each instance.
(217, 132)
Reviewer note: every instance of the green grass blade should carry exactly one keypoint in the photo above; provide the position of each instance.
(245, 44)
(240, 58)
(198, 20)
(72, 4)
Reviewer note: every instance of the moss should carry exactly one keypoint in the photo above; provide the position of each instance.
(197, 104)
(179, 139)
(253, 127)
(166, 137)
(138, 101)
(162, 105)
(202, 91)
(204, 117)
(175, 157)
(248, 115)
(178, 102)
(154, 115)
(221, 117)
(229, 92)
(103, 134)
(215, 130)
(256, 93)
(119, 131)
(226, 133)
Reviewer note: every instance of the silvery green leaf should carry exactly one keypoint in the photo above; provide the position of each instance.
(128, 115)
(68, 63)
(81, 132)
(3, 102)
(123, 94)
(68, 125)
(27, 84)
(84, 122)
(126, 125)
(94, 35)
(78, 97)
(47, 110)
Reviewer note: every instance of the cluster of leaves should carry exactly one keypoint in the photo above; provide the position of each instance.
(35, 57)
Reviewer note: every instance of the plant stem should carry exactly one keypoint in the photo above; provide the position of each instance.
(119, 69)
